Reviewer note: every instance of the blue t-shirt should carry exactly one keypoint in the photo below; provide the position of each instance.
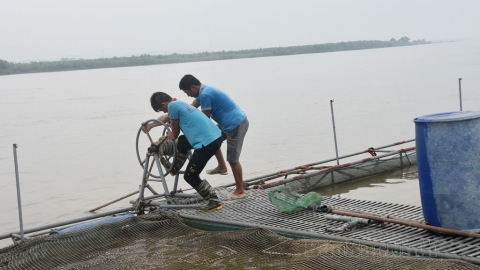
(195, 125)
(223, 109)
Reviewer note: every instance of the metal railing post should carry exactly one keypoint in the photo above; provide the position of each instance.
(162, 176)
(144, 178)
(334, 132)
(460, 91)
(18, 191)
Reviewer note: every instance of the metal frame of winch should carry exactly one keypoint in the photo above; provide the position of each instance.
(172, 199)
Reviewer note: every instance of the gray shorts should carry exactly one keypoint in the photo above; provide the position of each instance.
(235, 141)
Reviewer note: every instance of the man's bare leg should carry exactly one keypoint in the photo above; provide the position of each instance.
(238, 175)
(221, 167)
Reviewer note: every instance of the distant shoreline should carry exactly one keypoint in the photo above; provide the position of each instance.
(11, 68)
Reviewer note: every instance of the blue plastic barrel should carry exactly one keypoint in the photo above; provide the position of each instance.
(448, 158)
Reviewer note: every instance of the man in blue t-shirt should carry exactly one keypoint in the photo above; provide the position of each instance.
(200, 133)
(231, 119)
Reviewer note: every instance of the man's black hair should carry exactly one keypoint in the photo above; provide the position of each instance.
(158, 98)
(187, 81)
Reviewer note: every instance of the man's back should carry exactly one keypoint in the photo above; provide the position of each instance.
(223, 109)
(198, 129)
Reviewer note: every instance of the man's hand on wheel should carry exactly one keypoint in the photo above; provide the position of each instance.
(146, 127)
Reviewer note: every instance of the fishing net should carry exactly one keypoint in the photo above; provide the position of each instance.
(160, 240)
(287, 200)
(358, 171)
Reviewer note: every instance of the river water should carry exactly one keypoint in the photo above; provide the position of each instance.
(76, 130)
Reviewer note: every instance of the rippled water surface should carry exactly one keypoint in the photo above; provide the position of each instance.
(76, 130)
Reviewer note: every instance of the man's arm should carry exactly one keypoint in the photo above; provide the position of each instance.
(207, 112)
(164, 118)
(195, 103)
(175, 130)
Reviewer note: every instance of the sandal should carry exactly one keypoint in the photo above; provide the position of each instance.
(212, 171)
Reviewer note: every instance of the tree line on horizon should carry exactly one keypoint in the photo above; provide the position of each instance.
(9, 68)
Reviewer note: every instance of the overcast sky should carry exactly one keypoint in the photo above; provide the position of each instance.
(32, 30)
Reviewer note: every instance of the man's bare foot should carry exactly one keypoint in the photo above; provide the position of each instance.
(235, 195)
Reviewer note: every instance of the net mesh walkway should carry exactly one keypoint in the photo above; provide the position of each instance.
(161, 240)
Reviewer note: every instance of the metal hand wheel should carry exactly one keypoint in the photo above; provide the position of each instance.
(164, 132)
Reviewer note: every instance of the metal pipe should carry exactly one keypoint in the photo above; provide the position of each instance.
(152, 190)
(344, 228)
(350, 222)
(175, 184)
(282, 182)
(154, 180)
(404, 222)
(331, 237)
(53, 225)
(334, 132)
(460, 91)
(173, 206)
(319, 162)
(19, 199)
(22, 237)
(186, 195)
(144, 177)
(179, 195)
(348, 219)
(162, 176)
(367, 159)
(153, 196)
(133, 201)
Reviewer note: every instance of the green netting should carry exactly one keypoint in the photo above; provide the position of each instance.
(287, 200)
(161, 240)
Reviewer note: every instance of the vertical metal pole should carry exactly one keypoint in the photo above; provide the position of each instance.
(334, 132)
(18, 190)
(460, 91)
(144, 178)
(164, 183)
(175, 185)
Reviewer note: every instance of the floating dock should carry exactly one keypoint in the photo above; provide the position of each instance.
(256, 211)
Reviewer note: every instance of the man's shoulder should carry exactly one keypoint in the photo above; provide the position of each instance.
(174, 103)
(209, 90)
(177, 104)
